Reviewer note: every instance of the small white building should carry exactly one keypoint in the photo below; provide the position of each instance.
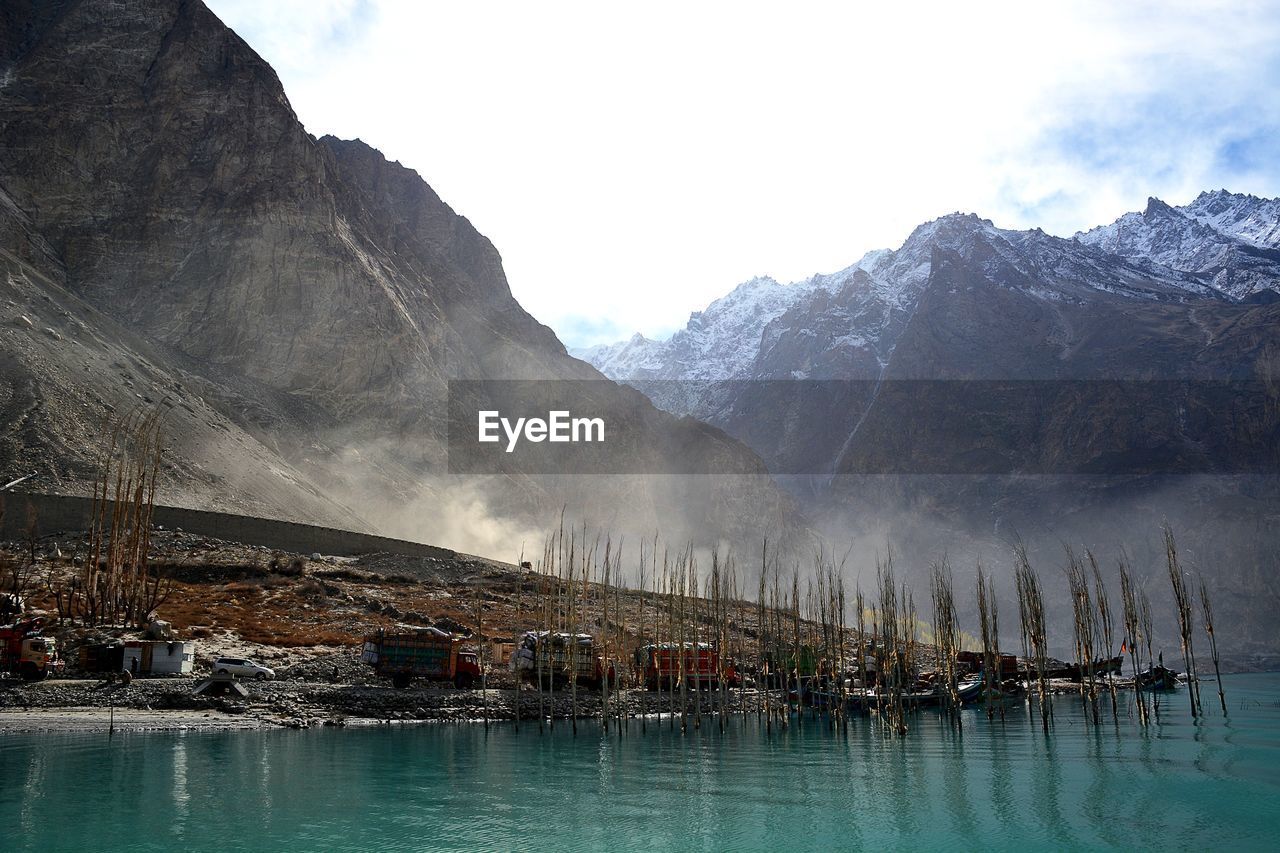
(159, 657)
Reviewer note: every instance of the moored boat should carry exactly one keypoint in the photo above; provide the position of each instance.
(967, 691)
(1157, 677)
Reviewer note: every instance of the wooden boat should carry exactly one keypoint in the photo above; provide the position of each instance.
(1157, 678)
(968, 691)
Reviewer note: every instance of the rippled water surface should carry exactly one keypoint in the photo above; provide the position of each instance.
(456, 787)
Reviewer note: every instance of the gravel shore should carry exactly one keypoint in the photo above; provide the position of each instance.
(153, 704)
(88, 720)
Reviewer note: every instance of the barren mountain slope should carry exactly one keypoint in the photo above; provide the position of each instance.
(321, 297)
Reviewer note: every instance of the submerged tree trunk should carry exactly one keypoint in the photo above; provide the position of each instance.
(1206, 610)
(1182, 600)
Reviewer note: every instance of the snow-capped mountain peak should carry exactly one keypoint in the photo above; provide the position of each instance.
(1246, 217)
(1230, 241)
(1220, 246)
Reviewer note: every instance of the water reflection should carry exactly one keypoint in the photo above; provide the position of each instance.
(956, 784)
(181, 796)
(1001, 773)
(992, 784)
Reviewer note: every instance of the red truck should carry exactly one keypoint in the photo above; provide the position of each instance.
(973, 662)
(25, 653)
(660, 664)
(425, 653)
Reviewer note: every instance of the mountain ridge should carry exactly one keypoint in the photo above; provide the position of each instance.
(1230, 226)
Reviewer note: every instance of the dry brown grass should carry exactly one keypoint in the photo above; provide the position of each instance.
(233, 589)
(273, 611)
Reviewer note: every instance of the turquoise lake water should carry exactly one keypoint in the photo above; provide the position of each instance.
(455, 787)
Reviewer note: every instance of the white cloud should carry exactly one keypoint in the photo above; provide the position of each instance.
(633, 162)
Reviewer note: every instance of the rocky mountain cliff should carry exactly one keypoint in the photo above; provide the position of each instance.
(174, 237)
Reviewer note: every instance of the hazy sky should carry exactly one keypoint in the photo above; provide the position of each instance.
(633, 162)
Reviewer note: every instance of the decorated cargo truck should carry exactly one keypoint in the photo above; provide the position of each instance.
(422, 653)
(662, 665)
(23, 652)
(784, 666)
(559, 659)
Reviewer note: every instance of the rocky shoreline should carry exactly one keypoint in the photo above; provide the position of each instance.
(157, 704)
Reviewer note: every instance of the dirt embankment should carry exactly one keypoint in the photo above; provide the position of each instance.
(304, 616)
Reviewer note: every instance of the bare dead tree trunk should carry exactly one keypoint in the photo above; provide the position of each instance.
(990, 658)
(1206, 610)
(1106, 628)
(1031, 607)
(1182, 600)
(1084, 631)
(945, 638)
(1133, 635)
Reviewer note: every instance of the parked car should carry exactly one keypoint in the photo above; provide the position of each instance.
(243, 667)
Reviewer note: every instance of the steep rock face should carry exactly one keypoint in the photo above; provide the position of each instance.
(67, 370)
(158, 186)
(183, 195)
